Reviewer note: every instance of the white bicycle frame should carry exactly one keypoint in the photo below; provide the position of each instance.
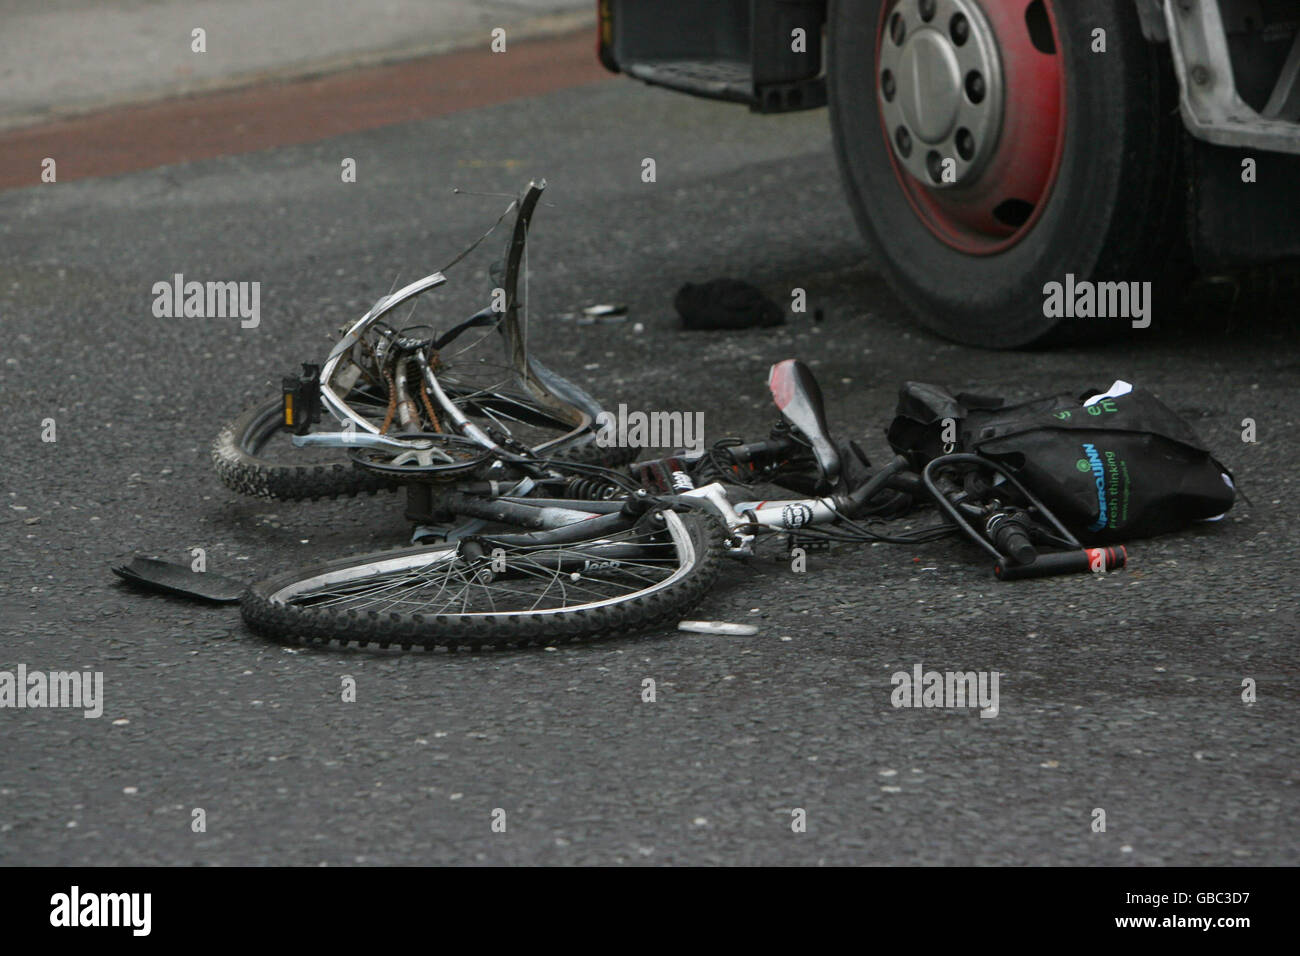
(781, 514)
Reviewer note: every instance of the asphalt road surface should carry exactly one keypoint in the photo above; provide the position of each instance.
(1122, 692)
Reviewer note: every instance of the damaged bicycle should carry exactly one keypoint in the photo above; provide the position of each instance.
(528, 530)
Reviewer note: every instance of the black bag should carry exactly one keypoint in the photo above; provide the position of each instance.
(1113, 465)
(725, 304)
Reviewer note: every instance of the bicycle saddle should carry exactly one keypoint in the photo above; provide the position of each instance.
(796, 393)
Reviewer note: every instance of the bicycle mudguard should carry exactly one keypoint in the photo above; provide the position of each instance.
(1112, 465)
(179, 579)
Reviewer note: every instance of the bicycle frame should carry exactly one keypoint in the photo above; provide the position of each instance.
(551, 515)
(779, 514)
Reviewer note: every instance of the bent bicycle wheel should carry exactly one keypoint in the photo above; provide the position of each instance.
(498, 590)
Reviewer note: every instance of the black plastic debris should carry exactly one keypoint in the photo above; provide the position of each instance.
(154, 575)
(725, 304)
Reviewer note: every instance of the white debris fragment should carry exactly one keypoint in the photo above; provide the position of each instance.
(717, 627)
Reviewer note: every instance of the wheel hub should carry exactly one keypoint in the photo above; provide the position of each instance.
(931, 94)
(941, 89)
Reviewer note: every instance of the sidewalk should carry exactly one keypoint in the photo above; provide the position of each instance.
(61, 58)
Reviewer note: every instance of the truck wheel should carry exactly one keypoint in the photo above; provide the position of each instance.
(987, 150)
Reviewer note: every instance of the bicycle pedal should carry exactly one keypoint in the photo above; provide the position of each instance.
(300, 395)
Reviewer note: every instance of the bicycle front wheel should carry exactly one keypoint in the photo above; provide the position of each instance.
(504, 590)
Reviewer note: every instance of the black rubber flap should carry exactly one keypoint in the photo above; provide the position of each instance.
(152, 574)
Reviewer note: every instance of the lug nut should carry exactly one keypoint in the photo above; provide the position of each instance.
(927, 10)
(904, 140)
(975, 88)
(965, 144)
(934, 165)
(959, 29)
(888, 86)
(897, 29)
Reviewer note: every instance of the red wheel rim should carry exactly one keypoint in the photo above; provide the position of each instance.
(1005, 199)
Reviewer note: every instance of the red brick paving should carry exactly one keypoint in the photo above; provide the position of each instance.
(283, 114)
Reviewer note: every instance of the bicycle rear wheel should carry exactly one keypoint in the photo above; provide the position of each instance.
(506, 590)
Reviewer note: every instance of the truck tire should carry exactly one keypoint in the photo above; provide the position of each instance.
(989, 148)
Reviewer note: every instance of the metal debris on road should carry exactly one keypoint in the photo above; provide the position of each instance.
(718, 627)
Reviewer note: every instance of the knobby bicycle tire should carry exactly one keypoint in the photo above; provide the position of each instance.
(268, 612)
